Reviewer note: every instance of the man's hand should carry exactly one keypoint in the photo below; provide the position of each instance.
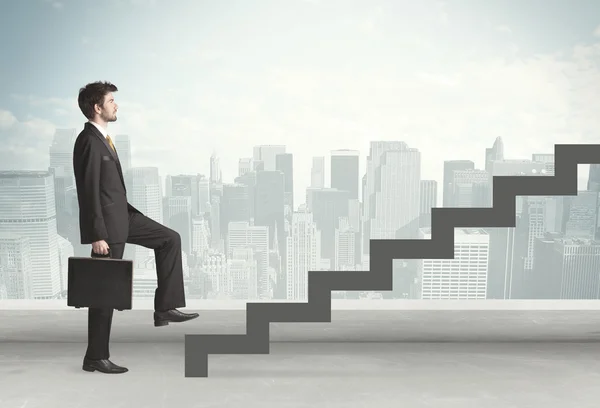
(100, 247)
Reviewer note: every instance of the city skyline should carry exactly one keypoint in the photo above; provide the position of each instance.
(330, 230)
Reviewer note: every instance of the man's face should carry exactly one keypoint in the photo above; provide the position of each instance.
(108, 110)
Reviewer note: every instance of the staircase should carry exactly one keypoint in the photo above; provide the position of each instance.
(383, 252)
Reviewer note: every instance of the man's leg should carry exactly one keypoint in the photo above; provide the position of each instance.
(166, 244)
(99, 324)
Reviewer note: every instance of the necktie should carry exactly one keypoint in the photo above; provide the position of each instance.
(110, 142)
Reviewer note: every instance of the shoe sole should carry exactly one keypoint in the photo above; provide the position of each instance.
(159, 323)
(92, 369)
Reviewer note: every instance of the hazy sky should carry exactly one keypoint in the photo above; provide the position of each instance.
(196, 77)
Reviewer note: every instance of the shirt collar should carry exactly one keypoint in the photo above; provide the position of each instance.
(100, 128)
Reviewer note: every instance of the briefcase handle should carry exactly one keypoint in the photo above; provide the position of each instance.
(101, 255)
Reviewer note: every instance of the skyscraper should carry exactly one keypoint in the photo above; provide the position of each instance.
(27, 209)
(428, 201)
(317, 172)
(450, 166)
(284, 162)
(464, 276)
(303, 254)
(267, 155)
(344, 171)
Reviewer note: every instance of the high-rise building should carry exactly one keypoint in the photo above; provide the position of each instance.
(463, 277)
(303, 254)
(215, 169)
(178, 216)
(235, 205)
(496, 152)
(345, 248)
(16, 280)
(244, 235)
(123, 147)
(317, 172)
(27, 209)
(61, 153)
(269, 204)
(284, 162)
(242, 269)
(327, 206)
(470, 188)
(568, 268)
(396, 196)
(344, 171)
(428, 200)
(244, 165)
(266, 155)
(450, 166)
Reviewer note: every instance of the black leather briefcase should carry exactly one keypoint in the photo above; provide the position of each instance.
(100, 282)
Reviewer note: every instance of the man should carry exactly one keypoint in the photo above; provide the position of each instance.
(108, 221)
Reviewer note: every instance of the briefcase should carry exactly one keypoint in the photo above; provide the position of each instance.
(100, 282)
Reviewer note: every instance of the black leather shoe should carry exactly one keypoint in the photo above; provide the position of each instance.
(173, 316)
(105, 366)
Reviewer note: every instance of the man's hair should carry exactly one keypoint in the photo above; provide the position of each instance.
(92, 94)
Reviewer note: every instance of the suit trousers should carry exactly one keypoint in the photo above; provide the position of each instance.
(169, 293)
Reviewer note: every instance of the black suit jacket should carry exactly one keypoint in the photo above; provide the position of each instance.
(103, 207)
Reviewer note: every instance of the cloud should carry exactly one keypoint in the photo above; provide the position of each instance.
(7, 119)
(25, 142)
(597, 31)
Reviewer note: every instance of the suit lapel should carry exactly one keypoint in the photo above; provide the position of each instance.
(96, 132)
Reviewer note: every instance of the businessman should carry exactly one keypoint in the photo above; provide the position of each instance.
(107, 222)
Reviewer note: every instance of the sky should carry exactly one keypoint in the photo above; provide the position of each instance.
(200, 77)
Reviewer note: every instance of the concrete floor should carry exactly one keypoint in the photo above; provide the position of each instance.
(373, 358)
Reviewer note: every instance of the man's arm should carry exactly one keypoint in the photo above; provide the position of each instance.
(90, 175)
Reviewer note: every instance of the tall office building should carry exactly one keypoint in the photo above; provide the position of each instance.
(244, 165)
(269, 204)
(16, 280)
(496, 152)
(396, 196)
(284, 162)
(195, 186)
(303, 254)
(317, 172)
(61, 153)
(242, 268)
(243, 235)
(567, 268)
(327, 206)
(235, 206)
(266, 155)
(470, 188)
(373, 186)
(178, 217)
(123, 146)
(213, 267)
(215, 169)
(463, 277)
(428, 200)
(450, 166)
(345, 248)
(581, 215)
(344, 171)
(27, 209)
